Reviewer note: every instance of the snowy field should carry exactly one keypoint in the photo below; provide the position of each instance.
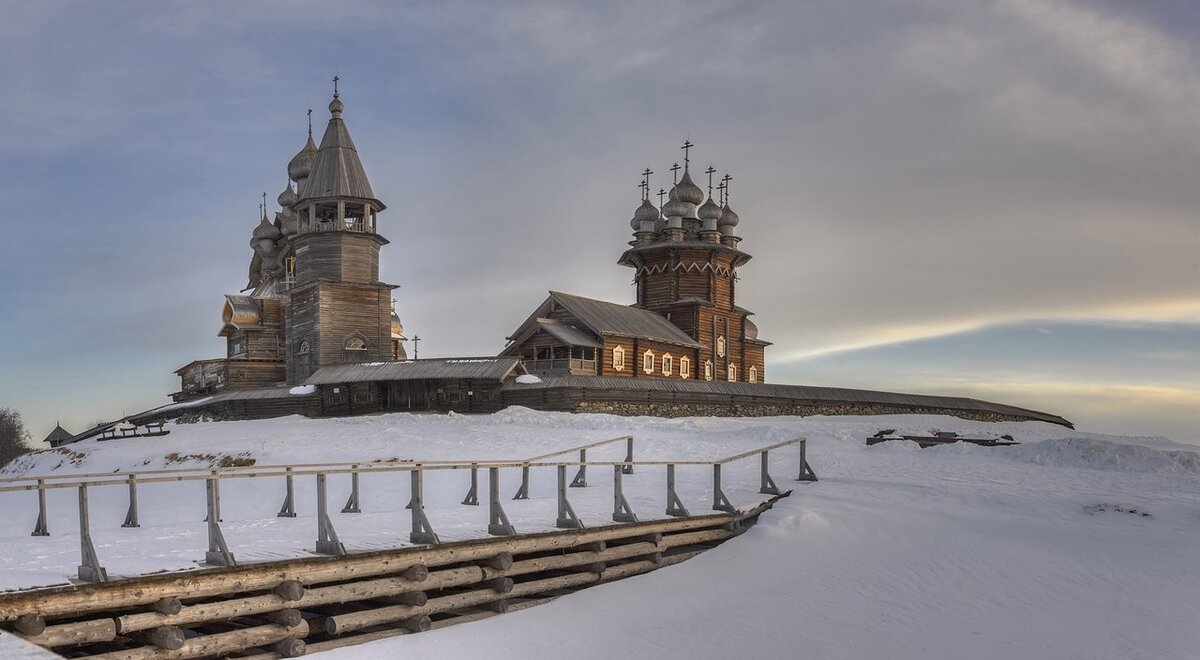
(1070, 545)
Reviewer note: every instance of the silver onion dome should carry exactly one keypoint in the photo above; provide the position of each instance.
(288, 197)
(674, 207)
(266, 230)
(689, 192)
(709, 210)
(729, 218)
(301, 164)
(647, 211)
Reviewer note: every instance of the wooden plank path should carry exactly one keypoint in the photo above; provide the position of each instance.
(278, 608)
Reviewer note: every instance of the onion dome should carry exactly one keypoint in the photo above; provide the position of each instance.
(288, 197)
(751, 330)
(729, 218)
(647, 211)
(266, 230)
(398, 327)
(336, 106)
(301, 164)
(709, 211)
(688, 191)
(676, 207)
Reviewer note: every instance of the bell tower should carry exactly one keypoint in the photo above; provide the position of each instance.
(338, 311)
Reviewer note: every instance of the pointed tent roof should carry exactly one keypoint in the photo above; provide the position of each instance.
(58, 435)
(336, 170)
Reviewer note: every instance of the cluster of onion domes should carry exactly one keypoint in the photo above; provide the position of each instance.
(689, 214)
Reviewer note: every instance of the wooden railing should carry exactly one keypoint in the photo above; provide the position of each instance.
(328, 541)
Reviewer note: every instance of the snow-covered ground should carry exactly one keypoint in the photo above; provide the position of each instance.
(1070, 545)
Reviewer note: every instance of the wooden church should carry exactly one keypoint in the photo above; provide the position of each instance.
(314, 297)
(686, 323)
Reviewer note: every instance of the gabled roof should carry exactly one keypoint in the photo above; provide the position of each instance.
(336, 170)
(490, 368)
(605, 318)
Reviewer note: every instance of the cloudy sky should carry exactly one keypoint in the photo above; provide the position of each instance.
(994, 199)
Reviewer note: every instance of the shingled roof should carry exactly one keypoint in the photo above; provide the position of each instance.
(487, 368)
(606, 318)
(336, 170)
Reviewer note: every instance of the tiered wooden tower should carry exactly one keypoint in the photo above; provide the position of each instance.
(338, 311)
(685, 256)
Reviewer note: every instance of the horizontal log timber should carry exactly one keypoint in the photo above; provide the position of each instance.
(206, 583)
(215, 644)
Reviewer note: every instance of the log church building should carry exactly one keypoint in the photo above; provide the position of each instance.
(316, 331)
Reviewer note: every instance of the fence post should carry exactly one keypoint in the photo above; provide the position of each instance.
(131, 516)
(806, 471)
(90, 569)
(566, 513)
(766, 485)
(218, 551)
(40, 527)
(328, 542)
(421, 532)
(628, 469)
(621, 510)
(675, 505)
(288, 510)
(472, 498)
(580, 480)
(352, 503)
(720, 502)
(498, 524)
(523, 491)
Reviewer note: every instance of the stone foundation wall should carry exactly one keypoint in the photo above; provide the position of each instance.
(664, 409)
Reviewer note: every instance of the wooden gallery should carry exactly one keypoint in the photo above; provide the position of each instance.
(315, 331)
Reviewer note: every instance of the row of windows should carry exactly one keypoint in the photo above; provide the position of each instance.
(667, 364)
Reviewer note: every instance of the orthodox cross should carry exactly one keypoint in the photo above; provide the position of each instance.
(661, 193)
(645, 191)
(263, 208)
(415, 340)
(310, 122)
(646, 182)
(393, 304)
(687, 145)
(721, 192)
(675, 172)
(726, 179)
(335, 89)
(709, 172)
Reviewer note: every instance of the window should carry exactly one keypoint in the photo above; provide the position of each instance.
(753, 374)
(721, 346)
(685, 367)
(303, 348)
(618, 358)
(648, 362)
(355, 348)
(708, 370)
(668, 364)
(732, 373)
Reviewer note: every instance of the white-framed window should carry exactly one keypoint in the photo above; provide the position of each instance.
(618, 354)
(648, 362)
(668, 364)
(732, 373)
(685, 367)
(356, 343)
(721, 346)
(708, 370)
(753, 374)
(304, 347)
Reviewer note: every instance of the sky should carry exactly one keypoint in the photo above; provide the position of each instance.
(997, 200)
